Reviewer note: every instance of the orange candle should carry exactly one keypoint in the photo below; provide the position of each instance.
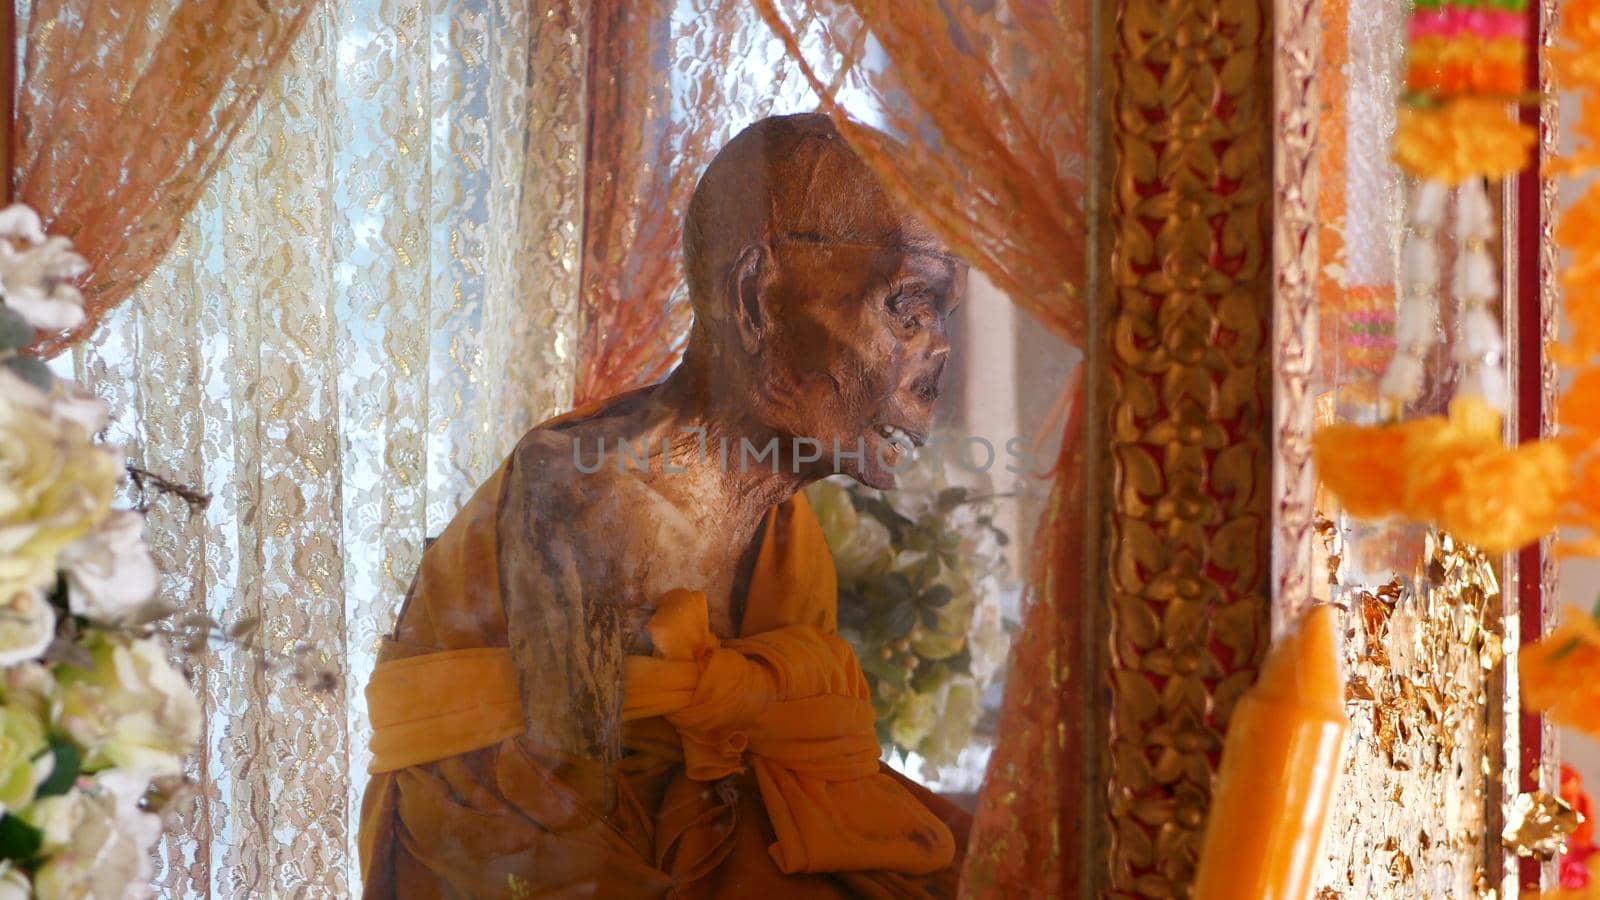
(1280, 764)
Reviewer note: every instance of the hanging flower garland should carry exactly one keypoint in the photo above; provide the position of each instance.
(1455, 471)
(1559, 673)
(1457, 130)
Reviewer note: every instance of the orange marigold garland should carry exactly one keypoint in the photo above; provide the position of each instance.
(1465, 67)
(1560, 673)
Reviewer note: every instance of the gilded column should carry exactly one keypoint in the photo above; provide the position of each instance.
(1185, 374)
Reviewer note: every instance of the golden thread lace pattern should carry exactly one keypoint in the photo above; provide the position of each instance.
(125, 112)
(656, 127)
(369, 303)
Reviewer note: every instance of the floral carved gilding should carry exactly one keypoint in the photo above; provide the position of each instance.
(1298, 61)
(1187, 385)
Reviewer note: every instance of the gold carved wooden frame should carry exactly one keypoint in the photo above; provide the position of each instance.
(1182, 368)
(1205, 266)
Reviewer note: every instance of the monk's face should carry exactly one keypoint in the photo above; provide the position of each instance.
(859, 346)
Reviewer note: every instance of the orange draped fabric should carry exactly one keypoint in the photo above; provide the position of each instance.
(669, 82)
(983, 133)
(123, 114)
(633, 316)
(751, 765)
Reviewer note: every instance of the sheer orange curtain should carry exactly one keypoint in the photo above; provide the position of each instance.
(123, 113)
(982, 121)
(670, 81)
(631, 313)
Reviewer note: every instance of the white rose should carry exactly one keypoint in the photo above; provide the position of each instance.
(27, 624)
(70, 403)
(55, 484)
(859, 544)
(30, 686)
(110, 573)
(132, 710)
(20, 223)
(35, 281)
(97, 841)
(14, 884)
(959, 708)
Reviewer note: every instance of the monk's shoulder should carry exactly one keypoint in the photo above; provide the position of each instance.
(578, 520)
(562, 475)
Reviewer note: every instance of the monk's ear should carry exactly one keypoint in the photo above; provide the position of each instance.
(748, 283)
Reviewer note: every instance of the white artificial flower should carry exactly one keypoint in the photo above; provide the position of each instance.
(131, 710)
(14, 883)
(110, 572)
(860, 544)
(55, 485)
(23, 763)
(914, 717)
(30, 686)
(70, 403)
(19, 222)
(97, 841)
(36, 276)
(27, 623)
(959, 704)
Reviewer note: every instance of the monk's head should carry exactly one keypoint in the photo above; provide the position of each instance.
(819, 304)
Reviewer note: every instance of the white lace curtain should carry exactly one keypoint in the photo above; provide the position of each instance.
(373, 299)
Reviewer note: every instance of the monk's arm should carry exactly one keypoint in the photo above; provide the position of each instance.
(566, 645)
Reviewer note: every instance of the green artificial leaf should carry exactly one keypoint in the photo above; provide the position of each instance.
(930, 619)
(58, 594)
(1001, 538)
(900, 620)
(879, 509)
(32, 371)
(852, 613)
(930, 677)
(14, 332)
(19, 840)
(961, 663)
(68, 765)
(938, 595)
(897, 587)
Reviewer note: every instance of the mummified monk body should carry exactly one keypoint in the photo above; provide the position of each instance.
(616, 679)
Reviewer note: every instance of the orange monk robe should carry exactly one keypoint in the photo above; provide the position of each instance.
(750, 767)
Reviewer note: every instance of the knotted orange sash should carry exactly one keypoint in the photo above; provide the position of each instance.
(793, 702)
(786, 701)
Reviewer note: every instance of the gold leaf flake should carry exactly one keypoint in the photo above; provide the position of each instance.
(1537, 825)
